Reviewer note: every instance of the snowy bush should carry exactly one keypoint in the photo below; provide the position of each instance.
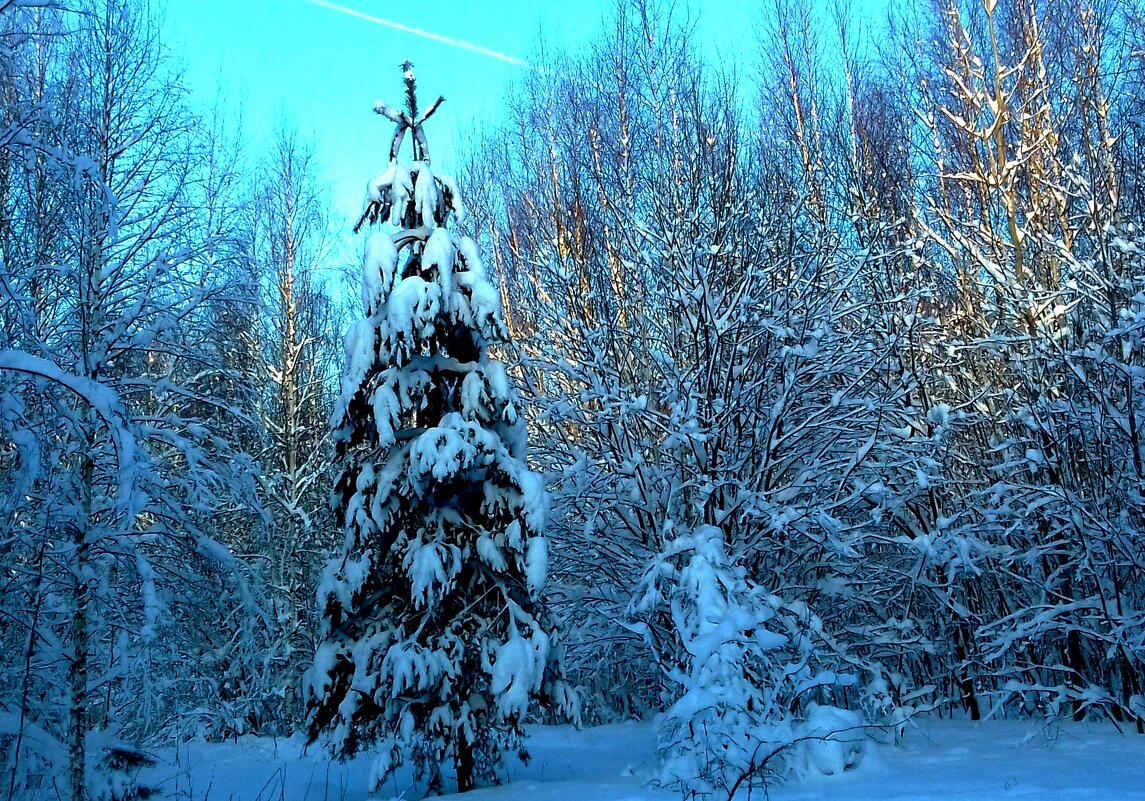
(114, 776)
(832, 740)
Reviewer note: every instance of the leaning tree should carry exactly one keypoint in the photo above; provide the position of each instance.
(433, 636)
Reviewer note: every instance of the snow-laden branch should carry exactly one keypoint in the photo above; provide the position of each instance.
(99, 397)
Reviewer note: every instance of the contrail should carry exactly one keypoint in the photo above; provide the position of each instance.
(435, 37)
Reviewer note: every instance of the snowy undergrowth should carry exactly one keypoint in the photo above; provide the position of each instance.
(938, 759)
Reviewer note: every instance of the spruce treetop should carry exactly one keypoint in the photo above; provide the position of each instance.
(408, 120)
(389, 194)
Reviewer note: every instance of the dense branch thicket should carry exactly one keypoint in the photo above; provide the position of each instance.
(874, 315)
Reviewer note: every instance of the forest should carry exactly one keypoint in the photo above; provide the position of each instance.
(828, 366)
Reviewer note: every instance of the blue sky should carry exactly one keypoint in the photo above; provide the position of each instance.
(321, 68)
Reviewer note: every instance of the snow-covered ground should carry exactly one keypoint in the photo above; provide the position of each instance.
(938, 759)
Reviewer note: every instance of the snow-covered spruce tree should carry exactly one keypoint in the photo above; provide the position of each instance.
(433, 636)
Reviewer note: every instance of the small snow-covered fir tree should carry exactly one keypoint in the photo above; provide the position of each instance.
(708, 626)
(433, 636)
(743, 667)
